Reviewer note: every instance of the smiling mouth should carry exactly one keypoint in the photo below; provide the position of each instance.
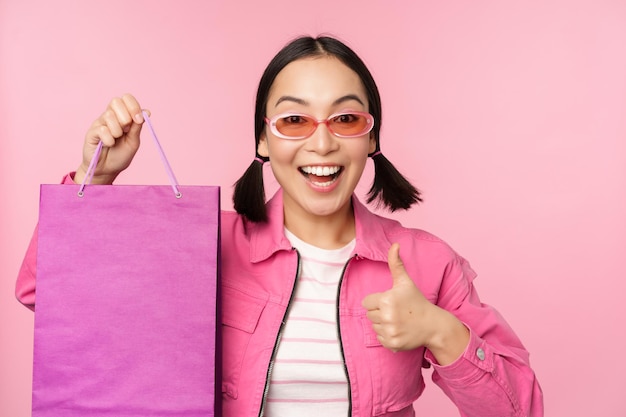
(321, 176)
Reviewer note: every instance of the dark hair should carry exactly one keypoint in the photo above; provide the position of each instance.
(389, 187)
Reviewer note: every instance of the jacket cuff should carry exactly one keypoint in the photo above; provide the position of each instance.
(69, 178)
(477, 359)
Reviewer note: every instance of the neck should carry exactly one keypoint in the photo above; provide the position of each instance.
(333, 231)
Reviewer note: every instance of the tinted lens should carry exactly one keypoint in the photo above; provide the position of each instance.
(296, 125)
(349, 124)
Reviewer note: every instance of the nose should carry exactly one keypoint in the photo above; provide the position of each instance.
(322, 140)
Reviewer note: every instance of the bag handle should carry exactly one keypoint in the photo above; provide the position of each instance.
(168, 168)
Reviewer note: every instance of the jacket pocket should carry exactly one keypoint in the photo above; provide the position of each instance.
(240, 316)
(396, 377)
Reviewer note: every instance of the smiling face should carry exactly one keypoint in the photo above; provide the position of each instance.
(318, 174)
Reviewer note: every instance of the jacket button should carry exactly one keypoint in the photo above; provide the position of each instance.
(480, 353)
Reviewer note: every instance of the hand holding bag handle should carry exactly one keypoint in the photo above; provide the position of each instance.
(168, 168)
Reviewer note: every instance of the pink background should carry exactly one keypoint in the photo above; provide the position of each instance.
(510, 116)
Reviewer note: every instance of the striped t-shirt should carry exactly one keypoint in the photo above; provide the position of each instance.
(308, 377)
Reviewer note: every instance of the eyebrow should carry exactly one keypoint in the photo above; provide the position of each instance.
(340, 100)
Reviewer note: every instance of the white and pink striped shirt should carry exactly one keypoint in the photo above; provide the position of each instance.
(308, 377)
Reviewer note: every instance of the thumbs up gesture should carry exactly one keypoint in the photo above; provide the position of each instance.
(404, 319)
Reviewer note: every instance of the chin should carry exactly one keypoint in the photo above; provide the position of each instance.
(328, 209)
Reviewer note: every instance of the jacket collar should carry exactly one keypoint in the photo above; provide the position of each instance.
(372, 241)
(268, 238)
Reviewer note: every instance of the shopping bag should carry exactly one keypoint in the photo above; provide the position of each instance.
(127, 282)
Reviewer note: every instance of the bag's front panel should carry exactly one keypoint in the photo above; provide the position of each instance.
(126, 302)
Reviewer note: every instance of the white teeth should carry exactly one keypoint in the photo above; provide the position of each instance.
(321, 171)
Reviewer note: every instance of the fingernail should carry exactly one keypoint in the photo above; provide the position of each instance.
(138, 118)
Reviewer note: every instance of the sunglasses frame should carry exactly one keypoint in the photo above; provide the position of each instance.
(271, 122)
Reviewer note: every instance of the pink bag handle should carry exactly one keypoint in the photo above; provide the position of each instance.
(168, 168)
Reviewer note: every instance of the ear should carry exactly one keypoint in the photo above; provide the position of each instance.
(262, 148)
(372, 143)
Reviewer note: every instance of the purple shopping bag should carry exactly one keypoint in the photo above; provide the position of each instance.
(127, 281)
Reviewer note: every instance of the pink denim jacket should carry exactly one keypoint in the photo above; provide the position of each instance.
(259, 268)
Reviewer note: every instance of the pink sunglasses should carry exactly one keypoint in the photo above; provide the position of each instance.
(301, 126)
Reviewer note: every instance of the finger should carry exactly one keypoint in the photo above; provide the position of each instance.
(385, 339)
(99, 132)
(121, 113)
(396, 266)
(133, 135)
(371, 302)
(374, 316)
(133, 107)
(111, 121)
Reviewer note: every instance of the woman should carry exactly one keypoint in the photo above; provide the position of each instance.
(320, 313)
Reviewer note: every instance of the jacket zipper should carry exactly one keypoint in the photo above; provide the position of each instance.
(278, 337)
(343, 356)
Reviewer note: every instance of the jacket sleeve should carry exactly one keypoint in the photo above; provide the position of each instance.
(493, 376)
(25, 284)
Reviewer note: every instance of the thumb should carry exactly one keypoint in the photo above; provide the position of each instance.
(135, 129)
(396, 267)
(133, 133)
